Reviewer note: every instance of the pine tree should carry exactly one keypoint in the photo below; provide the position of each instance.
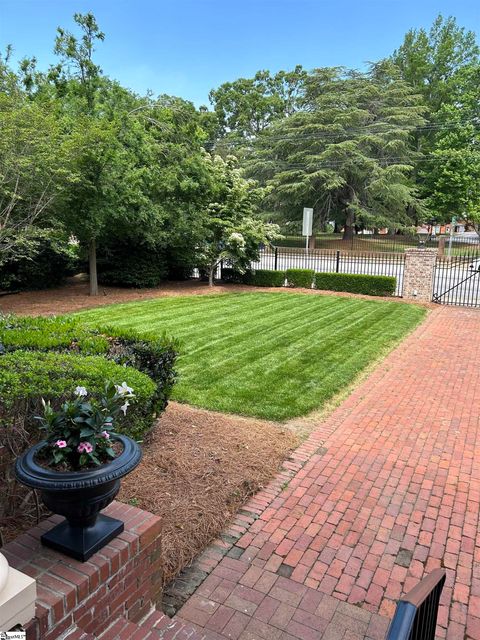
(348, 152)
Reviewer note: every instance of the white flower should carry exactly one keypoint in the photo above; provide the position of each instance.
(237, 238)
(81, 391)
(123, 389)
(124, 407)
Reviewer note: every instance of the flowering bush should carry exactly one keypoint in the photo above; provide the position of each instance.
(79, 435)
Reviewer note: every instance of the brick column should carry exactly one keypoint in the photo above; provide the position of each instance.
(418, 274)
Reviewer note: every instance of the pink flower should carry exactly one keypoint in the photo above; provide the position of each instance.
(106, 435)
(61, 444)
(84, 447)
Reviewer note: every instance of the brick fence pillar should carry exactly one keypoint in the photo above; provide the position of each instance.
(418, 274)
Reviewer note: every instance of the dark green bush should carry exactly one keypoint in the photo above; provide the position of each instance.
(132, 266)
(152, 354)
(356, 283)
(27, 376)
(149, 353)
(300, 278)
(265, 278)
(40, 260)
(234, 276)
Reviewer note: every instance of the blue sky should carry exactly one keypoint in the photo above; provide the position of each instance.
(187, 47)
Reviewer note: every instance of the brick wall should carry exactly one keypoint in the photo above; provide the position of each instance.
(418, 274)
(122, 579)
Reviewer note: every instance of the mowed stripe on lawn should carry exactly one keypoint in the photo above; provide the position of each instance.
(271, 355)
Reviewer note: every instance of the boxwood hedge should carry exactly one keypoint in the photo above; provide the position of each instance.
(28, 376)
(265, 278)
(300, 278)
(151, 354)
(356, 283)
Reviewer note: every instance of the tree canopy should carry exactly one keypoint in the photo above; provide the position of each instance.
(82, 155)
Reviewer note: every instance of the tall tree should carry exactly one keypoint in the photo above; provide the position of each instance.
(451, 176)
(443, 65)
(430, 61)
(80, 75)
(231, 230)
(348, 153)
(247, 106)
(35, 164)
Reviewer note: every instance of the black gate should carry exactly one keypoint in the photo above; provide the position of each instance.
(457, 280)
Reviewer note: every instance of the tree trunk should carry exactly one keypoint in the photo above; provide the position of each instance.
(210, 275)
(92, 267)
(348, 229)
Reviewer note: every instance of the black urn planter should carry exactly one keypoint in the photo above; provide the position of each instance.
(79, 496)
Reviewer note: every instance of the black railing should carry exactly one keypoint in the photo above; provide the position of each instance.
(381, 242)
(457, 280)
(373, 263)
(416, 614)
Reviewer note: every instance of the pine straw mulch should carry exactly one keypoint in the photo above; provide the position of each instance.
(198, 469)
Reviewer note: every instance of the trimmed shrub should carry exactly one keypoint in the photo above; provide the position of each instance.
(27, 377)
(47, 358)
(150, 354)
(234, 276)
(265, 278)
(40, 260)
(153, 355)
(356, 283)
(50, 334)
(300, 278)
(132, 266)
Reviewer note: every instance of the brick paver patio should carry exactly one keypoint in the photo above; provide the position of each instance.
(385, 490)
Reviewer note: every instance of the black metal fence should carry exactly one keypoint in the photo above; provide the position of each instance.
(372, 263)
(457, 280)
(382, 242)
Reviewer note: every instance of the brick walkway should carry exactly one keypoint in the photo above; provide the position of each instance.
(385, 490)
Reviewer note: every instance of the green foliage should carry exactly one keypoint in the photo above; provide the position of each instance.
(35, 166)
(300, 278)
(247, 106)
(27, 377)
(36, 259)
(265, 278)
(443, 64)
(356, 283)
(132, 266)
(348, 150)
(153, 355)
(149, 352)
(430, 61)
(234, 276)
(50, 334)
(230, 229)
(79, 434)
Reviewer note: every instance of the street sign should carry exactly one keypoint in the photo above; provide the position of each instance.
(307, 221)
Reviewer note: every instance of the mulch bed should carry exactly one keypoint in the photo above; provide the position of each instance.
(198, 469)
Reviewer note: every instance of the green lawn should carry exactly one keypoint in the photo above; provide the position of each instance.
(271, 355)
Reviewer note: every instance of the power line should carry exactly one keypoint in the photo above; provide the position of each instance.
(368, 128)
(332, 164)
